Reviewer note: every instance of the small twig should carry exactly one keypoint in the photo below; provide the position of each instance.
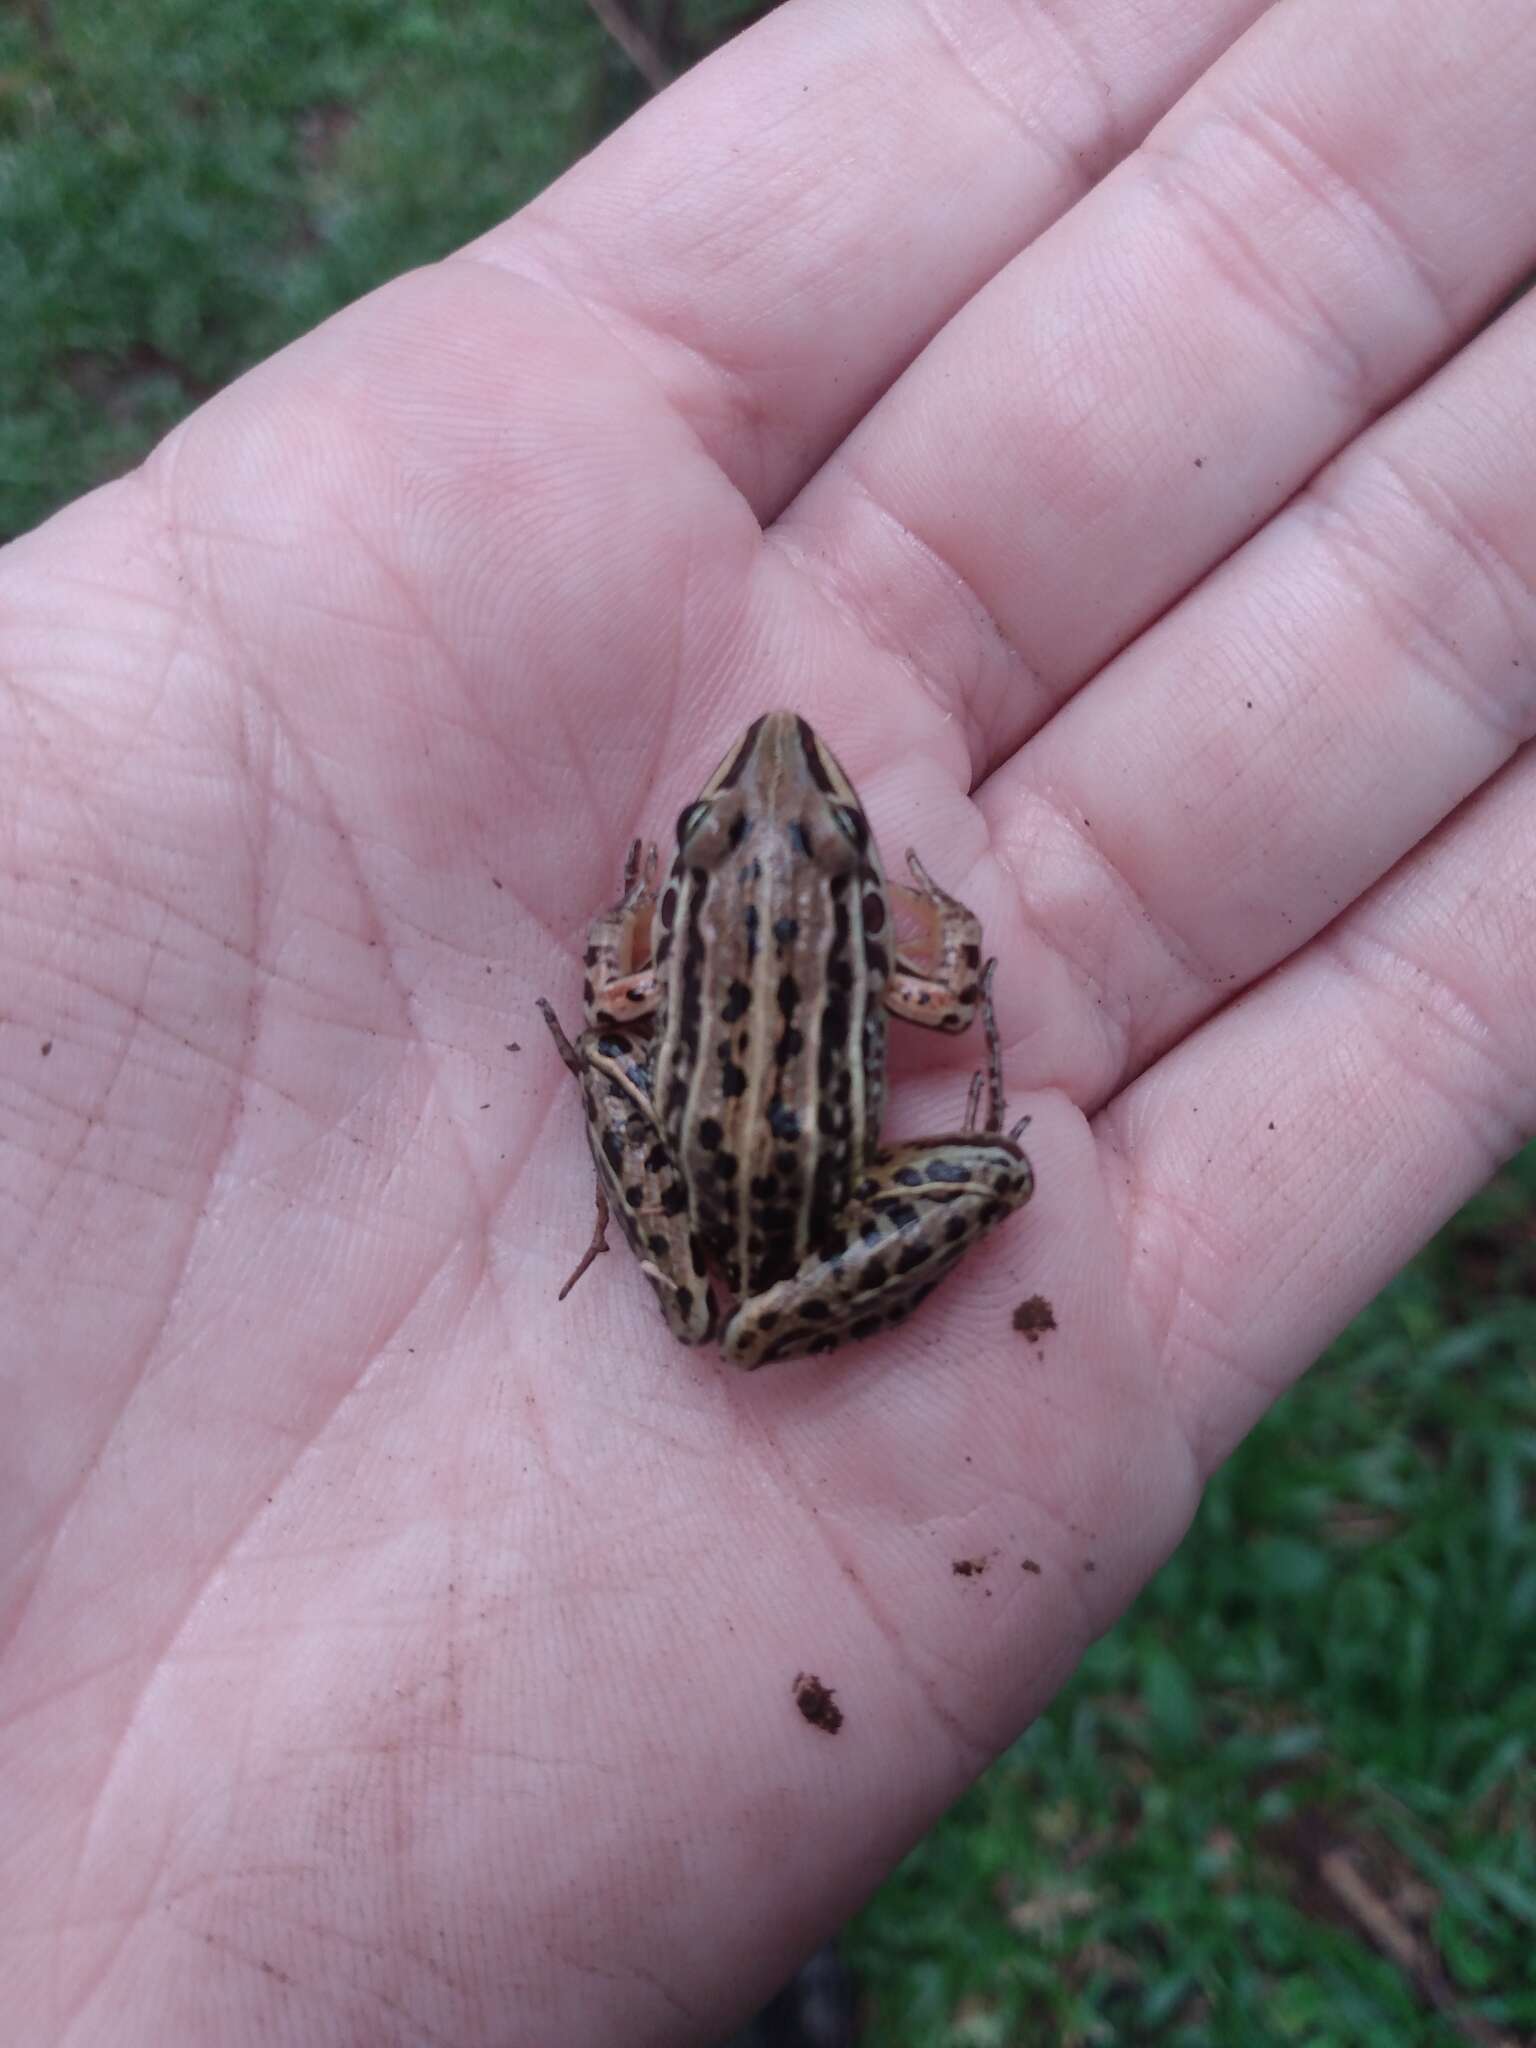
(1371, 1912)
(633, 41)
(599, 1242)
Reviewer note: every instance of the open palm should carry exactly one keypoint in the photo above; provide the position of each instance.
(390, 1654)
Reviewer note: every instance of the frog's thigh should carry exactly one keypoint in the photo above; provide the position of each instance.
(920, 1210)
(644, 1188)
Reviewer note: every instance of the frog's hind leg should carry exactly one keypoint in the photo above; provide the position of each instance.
(636, 1179)
(917, 1213)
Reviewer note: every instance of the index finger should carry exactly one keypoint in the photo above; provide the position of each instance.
(778, 234)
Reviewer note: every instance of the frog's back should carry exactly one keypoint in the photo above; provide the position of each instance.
(773, 950)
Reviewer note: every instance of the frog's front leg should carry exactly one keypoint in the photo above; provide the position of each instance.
(619, 984)
(636, 1178)
(936, 980)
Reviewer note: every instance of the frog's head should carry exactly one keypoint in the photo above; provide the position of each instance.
(779, 793)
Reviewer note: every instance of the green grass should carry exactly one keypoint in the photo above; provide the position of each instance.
(1337, 1669)
(184, 187)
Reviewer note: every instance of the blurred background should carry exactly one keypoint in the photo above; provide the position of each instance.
(1291, 1797)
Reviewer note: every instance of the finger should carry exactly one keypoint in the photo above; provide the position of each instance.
(1284, 1162)
(1296, 726)
(1342, 197)
(777, 235)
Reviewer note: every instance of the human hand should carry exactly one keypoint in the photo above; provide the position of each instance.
(392, 1654)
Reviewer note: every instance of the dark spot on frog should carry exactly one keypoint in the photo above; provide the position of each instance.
(817, 1702)
(710, 1132)
(786, 930)
(741, 825)
(738, 997)
(733, 1079)
(783, 1121)
(874, 913)
(1033, 1318)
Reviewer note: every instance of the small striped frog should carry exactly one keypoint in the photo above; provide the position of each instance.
(733, 1066)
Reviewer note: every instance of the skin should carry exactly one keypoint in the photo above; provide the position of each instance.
(388, 1654)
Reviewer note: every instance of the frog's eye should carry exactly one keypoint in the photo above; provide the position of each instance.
(690, 820)
(850, 822)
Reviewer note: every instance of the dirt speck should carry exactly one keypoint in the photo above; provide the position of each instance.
(46, 1047)
(1033, 1318)
(817, 1702)
(968, 1567)
(513, 1046)
(1028, 1564)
